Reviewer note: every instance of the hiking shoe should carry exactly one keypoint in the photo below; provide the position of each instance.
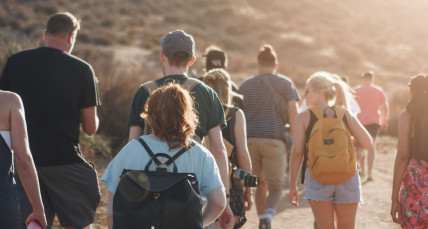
(264, 224)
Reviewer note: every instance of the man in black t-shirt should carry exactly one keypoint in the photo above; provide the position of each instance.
(59, 92)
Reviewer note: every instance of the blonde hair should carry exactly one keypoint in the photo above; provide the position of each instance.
(335, 90)
(219, 80)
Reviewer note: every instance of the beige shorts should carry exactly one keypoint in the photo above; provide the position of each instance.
(269, 158)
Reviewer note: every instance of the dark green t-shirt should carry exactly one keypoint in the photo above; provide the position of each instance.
(207, 103)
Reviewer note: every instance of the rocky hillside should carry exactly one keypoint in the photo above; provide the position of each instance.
(120, 38)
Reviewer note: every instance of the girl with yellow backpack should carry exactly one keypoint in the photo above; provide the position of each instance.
(322, 136)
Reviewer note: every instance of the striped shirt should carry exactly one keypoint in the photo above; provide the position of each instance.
(259, 105)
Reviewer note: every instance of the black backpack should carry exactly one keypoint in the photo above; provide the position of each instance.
(420, 142)
(157, 199)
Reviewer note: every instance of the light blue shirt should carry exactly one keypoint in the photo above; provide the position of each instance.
(197, 160)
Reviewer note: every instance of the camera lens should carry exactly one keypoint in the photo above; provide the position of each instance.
(251, 181)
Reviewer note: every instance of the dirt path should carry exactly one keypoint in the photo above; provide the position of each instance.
(373, 213)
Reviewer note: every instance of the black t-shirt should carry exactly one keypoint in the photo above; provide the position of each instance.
(54, 87)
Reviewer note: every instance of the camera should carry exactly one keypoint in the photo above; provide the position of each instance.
(246, 178)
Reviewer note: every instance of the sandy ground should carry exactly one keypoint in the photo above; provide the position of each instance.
(373, 213)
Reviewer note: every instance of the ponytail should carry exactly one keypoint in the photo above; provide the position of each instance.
(341, 96)
(333, 87)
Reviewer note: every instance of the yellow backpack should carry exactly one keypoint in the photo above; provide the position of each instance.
(331, 155)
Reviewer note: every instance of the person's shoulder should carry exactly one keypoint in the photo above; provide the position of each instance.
(377, 87)
(247, 82)
(23, 54)
(283, 77)
(10, 96)
(405, 115)
(10, 99)
(78, 61)
(304, 114)
(199, 149)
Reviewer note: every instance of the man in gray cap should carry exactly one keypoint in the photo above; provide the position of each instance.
(177, 55)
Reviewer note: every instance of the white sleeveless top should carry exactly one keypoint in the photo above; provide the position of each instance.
(6, 137)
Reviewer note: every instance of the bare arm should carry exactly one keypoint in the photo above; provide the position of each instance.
(401, 161)
(218, 150)
(292, 113)
(363, 138)
(216, 202)
(134, 132)
(384, 108)
(110, 210)
(89, 119)
(24, 163)
(240, 132)
(297, 153)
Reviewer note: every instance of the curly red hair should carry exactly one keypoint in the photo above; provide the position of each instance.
(171, 114)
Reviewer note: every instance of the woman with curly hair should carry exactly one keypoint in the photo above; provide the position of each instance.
(170, 112)
(410, 184)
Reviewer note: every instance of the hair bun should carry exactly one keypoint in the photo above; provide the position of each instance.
(267, 55)
(267, 49)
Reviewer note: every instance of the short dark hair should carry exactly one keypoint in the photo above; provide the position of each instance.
(62, 23)
(367, 75)
(180, 59)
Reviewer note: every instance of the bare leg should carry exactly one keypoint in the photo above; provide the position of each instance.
(370, 162)
(274, 197)
(261, 196)
(324, 213)
(362, 162)
(346, 214)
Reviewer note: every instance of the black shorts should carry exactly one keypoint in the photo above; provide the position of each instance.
(73, 191)
(373, 129)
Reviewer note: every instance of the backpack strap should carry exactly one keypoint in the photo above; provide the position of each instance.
(179, 153)
(149, 151)
(156, 160)
(150, 86)
(190, 83)
(231, 115)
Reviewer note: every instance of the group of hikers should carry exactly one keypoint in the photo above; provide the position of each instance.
(198, 147)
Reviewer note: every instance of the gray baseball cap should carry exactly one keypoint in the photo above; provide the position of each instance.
(177, 41)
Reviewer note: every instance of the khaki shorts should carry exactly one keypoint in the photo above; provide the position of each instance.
(269, 158)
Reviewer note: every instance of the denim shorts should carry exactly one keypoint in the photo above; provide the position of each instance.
(343, 193)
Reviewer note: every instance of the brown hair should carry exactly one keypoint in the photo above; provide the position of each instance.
(267, 56)
(367, 75)
(219, 80)
(171, 114)
(180, 59)
(417, 105)
(63, 23)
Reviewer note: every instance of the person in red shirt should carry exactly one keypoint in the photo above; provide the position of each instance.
(373, 103)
